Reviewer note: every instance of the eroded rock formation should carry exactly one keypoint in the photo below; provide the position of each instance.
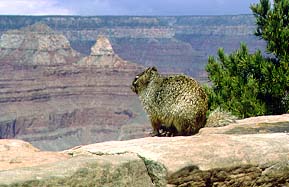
(36, 45)
(175, 44)
(102, 55)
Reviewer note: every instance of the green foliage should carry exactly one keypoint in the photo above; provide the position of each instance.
(235, 88)
(273, 26)
(246, 84)
(250, 84)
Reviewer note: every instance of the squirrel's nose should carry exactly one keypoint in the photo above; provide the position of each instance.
(133, 88)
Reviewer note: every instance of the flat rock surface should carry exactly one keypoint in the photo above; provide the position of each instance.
(17, 154)
(107, 170)
(206, 152)
(247, 154)
(210, 158)
(22, 164)
(253, 125)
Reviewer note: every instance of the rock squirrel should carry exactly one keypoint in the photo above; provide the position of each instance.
(176, 104)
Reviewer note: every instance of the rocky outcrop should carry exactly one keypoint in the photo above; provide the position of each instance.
(211, 158)
(17, 154)
(29, 167)
(57, 106)
(102, 47)
(36, 45)
(102, 55)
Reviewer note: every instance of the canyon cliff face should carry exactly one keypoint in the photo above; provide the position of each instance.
(174, 44)
(55, 98)
(62, 103)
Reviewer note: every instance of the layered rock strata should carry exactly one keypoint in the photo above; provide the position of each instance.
(56, 105)
(36, 45)
(175, 44)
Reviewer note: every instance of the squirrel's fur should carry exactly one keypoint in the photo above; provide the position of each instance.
(220, 118)
(176, 103)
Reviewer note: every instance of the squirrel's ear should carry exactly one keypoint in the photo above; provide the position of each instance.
(154, 68)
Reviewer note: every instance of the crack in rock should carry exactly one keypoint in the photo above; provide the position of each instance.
(156, 171)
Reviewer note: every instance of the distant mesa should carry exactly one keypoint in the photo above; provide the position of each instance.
(102, 55)
(36, 44)
(38, 28)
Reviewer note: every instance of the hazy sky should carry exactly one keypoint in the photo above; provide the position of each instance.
(125, 7)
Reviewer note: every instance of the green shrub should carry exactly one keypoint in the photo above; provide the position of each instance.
(251, 84)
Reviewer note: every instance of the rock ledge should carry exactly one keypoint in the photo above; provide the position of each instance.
(211, 158)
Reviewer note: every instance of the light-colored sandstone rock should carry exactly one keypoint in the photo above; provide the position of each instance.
(102, 47)
(125, 169)
(213, 158)
(18, 154)
(102, 55)
(253, 125)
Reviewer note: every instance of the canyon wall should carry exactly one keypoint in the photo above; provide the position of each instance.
(60, 88)
(56, 104)
(173, 44)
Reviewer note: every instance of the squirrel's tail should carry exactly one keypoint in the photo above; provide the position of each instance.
(219, 118)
